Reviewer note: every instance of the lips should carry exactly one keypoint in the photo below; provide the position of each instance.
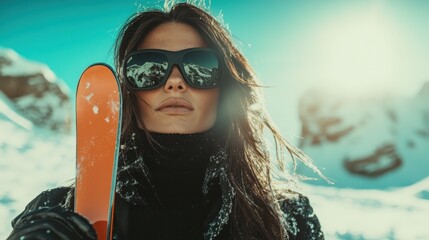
(175, 105)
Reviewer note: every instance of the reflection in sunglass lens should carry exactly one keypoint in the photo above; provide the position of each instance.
(201, 67)
(147, 70)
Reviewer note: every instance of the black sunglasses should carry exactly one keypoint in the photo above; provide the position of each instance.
(149, 69)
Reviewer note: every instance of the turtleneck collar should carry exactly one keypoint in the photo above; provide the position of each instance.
(178, 153)
(169, 169)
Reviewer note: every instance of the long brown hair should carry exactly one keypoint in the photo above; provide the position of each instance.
(256, 213)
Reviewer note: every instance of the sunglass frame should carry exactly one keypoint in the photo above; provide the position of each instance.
(173, 58)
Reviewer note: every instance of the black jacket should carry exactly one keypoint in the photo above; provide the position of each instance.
(180, 191)
(301, 221)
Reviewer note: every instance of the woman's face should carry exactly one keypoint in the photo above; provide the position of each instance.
(194, 110)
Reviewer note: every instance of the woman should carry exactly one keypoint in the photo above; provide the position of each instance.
(193, 163)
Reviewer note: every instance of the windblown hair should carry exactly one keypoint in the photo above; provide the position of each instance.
(256, 213)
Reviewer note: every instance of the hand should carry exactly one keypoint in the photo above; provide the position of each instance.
(52, 223)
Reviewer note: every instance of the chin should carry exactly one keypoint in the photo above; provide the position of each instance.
(177, 130)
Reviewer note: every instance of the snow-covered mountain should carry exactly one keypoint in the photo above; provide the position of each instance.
(38, 95)
(141, 74)
(367, 142)
(200, 76)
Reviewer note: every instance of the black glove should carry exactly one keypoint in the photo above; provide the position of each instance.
(52, 223)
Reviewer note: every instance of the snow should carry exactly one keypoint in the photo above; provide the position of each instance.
(391, 206)
(140, 74)
(49, 104)
(372, 214)
(217, 169)
(20, 66)
(199, 75)
(89, 96)
(385, 123)
(43, 100)
(30, 161)
(9, 112)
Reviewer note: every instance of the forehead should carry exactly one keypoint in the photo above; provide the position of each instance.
(172, 36)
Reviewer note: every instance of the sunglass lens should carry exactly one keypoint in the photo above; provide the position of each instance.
(201, 67)
(146, 70)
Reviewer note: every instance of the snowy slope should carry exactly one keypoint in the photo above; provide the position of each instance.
(400, 213)
(367, 142)
(31, 161)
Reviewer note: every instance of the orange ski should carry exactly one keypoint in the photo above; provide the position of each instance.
(98, 127)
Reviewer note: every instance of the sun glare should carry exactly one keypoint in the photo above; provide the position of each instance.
(359, 51)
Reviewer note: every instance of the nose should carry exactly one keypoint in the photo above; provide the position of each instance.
(175, 81)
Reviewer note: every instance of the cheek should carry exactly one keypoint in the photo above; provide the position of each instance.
(145, 102)
(145, 99)
(208, 102)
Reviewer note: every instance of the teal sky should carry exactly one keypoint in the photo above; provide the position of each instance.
(357, 45)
